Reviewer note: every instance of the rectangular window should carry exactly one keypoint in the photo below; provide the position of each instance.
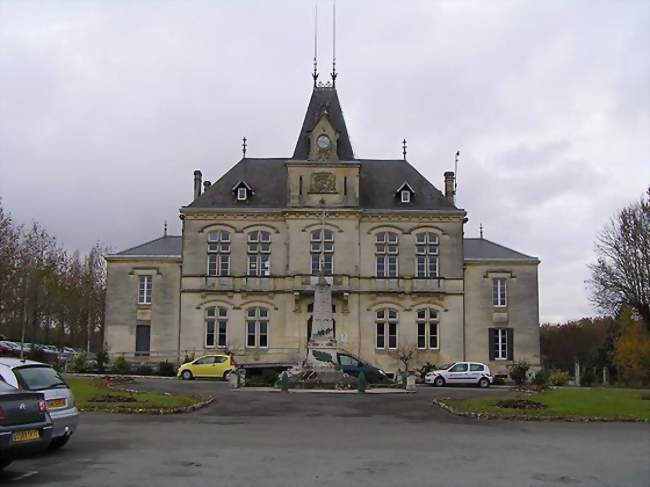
(433, 335)
(264, 334)
(499, 292)
(144, 290)
(209, 333)
(250, 334)
(221, 336)
(224, 265)
(381, 337)
(142, 340)
(422, 335)
(406, 196)
(381, 269)
(500, 344)
(392, 335)
(241, 194)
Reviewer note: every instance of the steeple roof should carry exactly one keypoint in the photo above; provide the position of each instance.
(324, 100)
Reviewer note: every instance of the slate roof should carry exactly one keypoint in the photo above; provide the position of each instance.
(377, 183)
(483, 249)
(324, 98)
(168, 245)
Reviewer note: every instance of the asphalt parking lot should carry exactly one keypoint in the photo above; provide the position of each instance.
(299, 439)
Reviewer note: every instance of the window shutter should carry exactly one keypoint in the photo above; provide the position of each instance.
(511, 348)
(491, 342)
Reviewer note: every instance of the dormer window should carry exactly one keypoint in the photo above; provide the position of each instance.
(242, 191)
(405, 193)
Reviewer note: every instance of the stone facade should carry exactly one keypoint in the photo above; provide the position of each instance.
(215, 288)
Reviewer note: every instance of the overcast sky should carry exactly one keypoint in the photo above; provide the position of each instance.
(106, 108)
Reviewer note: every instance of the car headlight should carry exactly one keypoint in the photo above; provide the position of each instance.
(382, 372)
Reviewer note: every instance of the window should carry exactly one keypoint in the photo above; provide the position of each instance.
(257, 327)
(499, 292)
(426, 255)
(459, 368)
(427, 323)
(346, 360)
(501, 343)
(142, 340)
(216, 327)
(218, 253)
(259, 253)
(475, 368)
(405, 195)
(144, 289)
(386, 323)
(386, 252)
(242, 193)
(322, 249)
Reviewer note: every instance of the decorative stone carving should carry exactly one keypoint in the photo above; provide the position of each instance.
(323, 182)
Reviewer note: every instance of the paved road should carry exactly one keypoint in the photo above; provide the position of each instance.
(272, 439)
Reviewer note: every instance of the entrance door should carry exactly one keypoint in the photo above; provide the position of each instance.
(142, 340)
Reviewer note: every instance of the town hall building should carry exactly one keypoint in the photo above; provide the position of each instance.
(392, 247)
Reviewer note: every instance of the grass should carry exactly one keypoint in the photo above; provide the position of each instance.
(569, 403)
(86, 392)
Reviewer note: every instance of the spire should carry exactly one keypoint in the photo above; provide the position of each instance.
(315, 73)
(334, 73)
(243, 147)
(481, 231)
(404, 148)
(165, 228)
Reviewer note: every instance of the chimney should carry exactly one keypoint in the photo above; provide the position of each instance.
(197, 183)
(206, 185)
(449, 186)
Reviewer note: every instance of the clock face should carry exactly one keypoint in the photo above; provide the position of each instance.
(323, 142)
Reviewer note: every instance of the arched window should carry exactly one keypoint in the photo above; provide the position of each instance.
(427, 323)
(386, 253)
(386, 323)
(426, 255)
(257, 327)
(219, 253)
(259, 253)
(322, 248)
(216, 327)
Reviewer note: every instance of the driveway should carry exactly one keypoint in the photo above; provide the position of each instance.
(273, 439)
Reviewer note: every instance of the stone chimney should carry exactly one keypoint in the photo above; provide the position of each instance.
(197, 183)
(206, 185)
(449, 187)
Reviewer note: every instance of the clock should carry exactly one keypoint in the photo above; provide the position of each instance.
(323, 142)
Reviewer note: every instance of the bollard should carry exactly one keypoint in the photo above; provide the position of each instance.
(362, 383)
(410, 382)
(284, 382)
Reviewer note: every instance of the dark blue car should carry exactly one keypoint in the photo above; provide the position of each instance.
(353, 366)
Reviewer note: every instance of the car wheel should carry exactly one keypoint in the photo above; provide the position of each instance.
(483, 383)
(187, 375)
(439, 382)
(4, 462)
(59, 442)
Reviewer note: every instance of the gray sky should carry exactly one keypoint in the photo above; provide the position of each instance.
(106, 108)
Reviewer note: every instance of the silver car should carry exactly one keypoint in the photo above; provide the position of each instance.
(461, 373)
(35, 376)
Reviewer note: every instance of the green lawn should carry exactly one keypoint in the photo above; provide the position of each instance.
(86, 392)
(570, 403)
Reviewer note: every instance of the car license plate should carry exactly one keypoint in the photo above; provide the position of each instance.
(27, 435)
(56, 403)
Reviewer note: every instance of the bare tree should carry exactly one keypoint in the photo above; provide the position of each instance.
(405, 355)
(621, 275)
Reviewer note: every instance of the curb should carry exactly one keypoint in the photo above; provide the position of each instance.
(92, 375)
(155, 411)
(326, 391)
(528, 417)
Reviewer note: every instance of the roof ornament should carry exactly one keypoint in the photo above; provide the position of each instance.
(334, 73)
(481, 231)
(404, 148)
(243, 147)
(165, 228)
(315, 73)
(456, 171)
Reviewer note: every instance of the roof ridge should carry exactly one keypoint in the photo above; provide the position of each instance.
(146, 243)
(502, 246)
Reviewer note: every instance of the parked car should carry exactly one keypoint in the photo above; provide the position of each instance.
(353, 366)
(25, 425)
(34, 376)
(215, 365)
(461, 373)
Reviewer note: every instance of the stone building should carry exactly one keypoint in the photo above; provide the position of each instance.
(242, 274)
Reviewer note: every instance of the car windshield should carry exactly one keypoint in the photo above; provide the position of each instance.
(446, 366)
(38, 377)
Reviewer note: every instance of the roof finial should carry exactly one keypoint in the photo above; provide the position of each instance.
(404, 148)
(243, 147)
(315, 73)
(165, 228)
(481, 230)
(456, 171)
(334, 74)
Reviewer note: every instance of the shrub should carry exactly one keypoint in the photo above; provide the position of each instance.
(120, 366)
(144, 369)
(558, 378)
(166, 369)
(426, 368)
(588, 377)
(78, 363)
(188, 358)
(519, 372)
(541, 378)
(102, 359)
